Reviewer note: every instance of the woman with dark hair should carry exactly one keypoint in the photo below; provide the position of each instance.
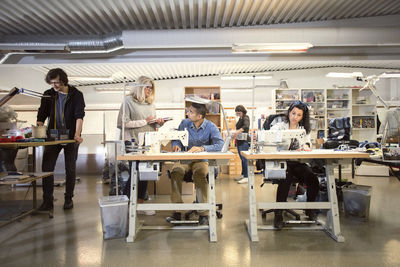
(242, 126)
(297, 118)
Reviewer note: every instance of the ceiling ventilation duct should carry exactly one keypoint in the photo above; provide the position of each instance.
(10, 45)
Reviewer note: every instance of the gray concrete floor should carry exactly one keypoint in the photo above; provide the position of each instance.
(74, 238)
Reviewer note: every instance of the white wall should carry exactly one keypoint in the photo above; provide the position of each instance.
(170, 94)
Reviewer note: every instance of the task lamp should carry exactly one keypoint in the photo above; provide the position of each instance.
(14, 91)
(253, 78)
(370, 82)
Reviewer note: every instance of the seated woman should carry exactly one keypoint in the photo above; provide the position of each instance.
(297, 118)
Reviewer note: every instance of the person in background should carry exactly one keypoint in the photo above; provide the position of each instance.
(297, 118)
(139, 115)
(242, 126)
(203, 136)
(65, 111)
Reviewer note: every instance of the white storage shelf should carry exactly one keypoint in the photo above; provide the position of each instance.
(350, 102)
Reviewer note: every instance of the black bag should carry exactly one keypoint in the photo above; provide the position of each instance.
(339, 129)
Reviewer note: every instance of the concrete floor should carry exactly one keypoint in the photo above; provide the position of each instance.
(74, 238)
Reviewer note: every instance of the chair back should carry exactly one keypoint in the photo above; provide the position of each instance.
(272, 120)
(339, 129)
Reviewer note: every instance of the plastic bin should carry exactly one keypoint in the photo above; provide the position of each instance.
(356, 200)
(114, 216)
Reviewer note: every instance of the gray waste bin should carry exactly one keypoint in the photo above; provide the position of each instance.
(356, 200)
(114, 216)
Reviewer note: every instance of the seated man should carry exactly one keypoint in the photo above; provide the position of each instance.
(203, 136)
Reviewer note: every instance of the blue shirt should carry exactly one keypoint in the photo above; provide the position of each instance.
(207, 136)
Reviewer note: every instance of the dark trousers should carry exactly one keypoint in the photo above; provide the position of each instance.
(141, 186)
(50, 156)
(141, 189)
(304, 174)
(243, 147)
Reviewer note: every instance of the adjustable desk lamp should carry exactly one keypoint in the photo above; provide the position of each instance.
(370, 84)
(14, 91)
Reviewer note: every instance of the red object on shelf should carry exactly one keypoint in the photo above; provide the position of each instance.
(11, 139)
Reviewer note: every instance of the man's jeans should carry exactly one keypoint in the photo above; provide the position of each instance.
(50, 156)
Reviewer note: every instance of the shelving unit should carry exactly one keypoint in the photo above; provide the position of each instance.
(363, 115)
(213, 93)
(332, 103)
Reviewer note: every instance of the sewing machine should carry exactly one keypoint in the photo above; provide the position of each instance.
(278, 140)
(154, 140)
(149, 143)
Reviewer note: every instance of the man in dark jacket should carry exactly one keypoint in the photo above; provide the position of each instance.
(64, 110)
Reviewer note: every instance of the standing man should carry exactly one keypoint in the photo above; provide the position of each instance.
(203, 136)
(65, 111)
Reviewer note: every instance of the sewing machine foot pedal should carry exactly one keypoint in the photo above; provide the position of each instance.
(186, 222)
(301, 222)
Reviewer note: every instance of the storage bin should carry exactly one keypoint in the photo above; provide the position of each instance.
(114, 216)
(356, 200)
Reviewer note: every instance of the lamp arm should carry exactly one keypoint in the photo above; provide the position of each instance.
(371, 85)
(226, 122)
(14, 91)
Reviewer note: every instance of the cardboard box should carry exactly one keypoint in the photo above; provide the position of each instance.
(235, 170)
(372, 170)
(231, 123)
(225, 169)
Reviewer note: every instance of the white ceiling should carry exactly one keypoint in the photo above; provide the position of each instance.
(95, 17)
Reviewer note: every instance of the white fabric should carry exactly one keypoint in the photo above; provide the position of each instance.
(392, 118)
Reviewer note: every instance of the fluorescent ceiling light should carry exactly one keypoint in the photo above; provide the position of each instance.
(271, 48)
(344, 74)
(110, 90)
(390, 75)
(245, 77)
(91, 78)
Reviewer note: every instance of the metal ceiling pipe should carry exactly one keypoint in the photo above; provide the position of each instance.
(11, 45)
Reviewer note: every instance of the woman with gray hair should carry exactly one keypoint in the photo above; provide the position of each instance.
(139, 117)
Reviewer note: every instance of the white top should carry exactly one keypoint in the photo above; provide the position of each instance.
(282, 125)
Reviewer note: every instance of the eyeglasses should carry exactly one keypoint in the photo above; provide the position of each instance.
(150, 88)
